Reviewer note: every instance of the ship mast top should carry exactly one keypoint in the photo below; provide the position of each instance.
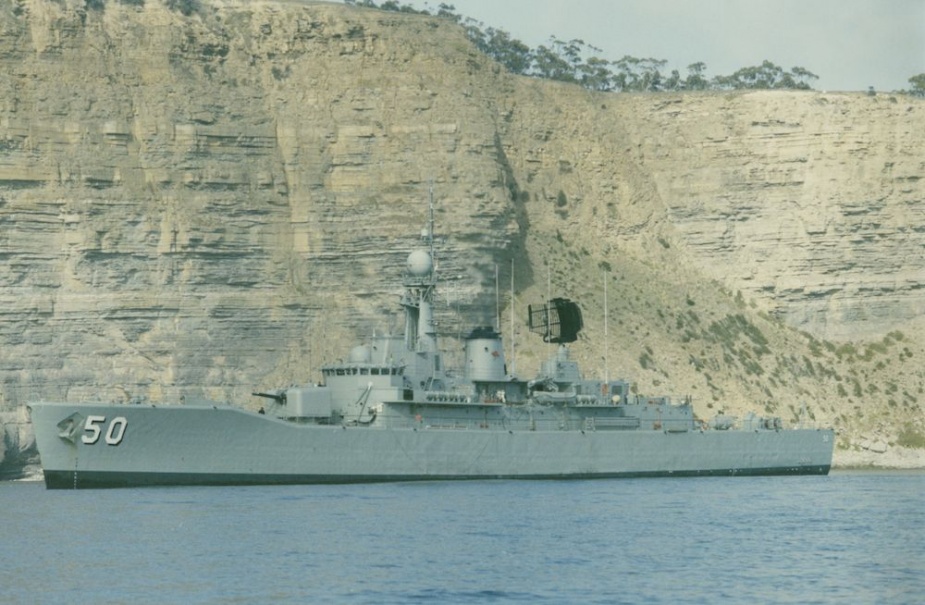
(420, 289)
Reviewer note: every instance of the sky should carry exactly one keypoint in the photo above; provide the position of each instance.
(849, 44)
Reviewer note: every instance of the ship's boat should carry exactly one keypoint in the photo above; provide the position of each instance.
(393, 412)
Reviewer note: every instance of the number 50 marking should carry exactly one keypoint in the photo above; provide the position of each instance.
(114, 433)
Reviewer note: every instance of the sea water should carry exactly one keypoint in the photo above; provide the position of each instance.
(851, 537)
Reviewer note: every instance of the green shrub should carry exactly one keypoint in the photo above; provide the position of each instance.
(910, 437)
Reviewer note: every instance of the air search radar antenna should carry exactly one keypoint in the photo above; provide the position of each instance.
(558, 320)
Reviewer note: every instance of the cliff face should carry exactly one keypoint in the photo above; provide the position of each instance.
(217, 200)
(811, 203)
(213, 203)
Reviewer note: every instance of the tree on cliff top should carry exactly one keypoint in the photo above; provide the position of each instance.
(577, 62)
(766, 76)
(500, 46)
(918, 85)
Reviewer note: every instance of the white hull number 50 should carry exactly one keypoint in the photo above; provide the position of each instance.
(114, 434)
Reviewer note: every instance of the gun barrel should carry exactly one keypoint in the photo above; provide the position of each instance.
(277, 397)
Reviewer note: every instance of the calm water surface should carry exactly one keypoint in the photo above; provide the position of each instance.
(851, 537)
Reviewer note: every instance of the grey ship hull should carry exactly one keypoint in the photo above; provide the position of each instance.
(141, 445)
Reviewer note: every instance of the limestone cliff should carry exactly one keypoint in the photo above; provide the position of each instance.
(209, 203)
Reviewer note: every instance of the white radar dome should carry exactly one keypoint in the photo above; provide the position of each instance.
(420, 263)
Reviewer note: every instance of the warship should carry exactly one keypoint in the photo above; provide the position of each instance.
(393, 412)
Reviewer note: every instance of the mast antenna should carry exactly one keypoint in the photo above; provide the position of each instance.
(513, 358)
(606, 338)
(430, 228)
(497, 302)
